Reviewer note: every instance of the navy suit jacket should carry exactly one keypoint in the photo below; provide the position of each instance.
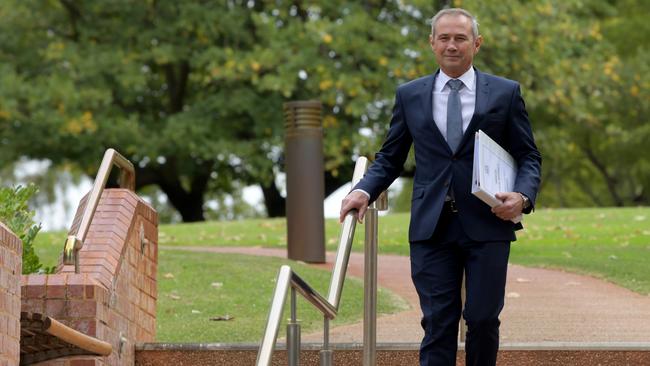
(499, 111)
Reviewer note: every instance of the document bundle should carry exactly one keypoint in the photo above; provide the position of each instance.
(495, 170)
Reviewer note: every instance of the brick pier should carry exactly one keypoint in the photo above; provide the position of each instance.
(11, 253)
(113, 298)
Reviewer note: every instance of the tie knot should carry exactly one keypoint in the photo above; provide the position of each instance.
(455, 84)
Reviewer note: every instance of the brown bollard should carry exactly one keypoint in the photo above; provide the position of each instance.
(304, 165)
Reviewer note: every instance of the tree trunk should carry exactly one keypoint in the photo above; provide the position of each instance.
(191, 210)
(188, 204)
(276, 205)
(332, 183)
(586, 187)
(610, 180)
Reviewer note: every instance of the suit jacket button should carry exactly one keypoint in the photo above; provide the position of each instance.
(447, 184)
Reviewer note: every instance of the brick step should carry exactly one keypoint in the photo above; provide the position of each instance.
(401, 354)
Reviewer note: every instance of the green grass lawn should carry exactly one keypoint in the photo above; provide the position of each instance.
(612, 243)
(206, 286)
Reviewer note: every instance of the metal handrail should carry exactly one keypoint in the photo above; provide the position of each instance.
(76, 338)
(328, 307)
(313, 296)
(75, 242)
(345, 242)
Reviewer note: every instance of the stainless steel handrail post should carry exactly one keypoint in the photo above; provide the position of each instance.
(275, 313)
(293, 334)
(77, 268)
(326, 353)
(75, 242)
(370, 289)
(370, 280)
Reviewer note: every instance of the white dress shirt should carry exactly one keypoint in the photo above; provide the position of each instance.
(467, 95)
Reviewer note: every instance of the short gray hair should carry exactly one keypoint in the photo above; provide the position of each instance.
(454, 11)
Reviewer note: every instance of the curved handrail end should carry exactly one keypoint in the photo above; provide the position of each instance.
(71, 245)
(74, 243)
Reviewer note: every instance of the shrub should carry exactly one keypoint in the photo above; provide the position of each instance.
(15, 213)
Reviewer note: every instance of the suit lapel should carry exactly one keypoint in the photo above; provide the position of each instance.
(482, 98)
(427, 107)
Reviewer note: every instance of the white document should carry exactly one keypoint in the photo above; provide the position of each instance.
(495, 170)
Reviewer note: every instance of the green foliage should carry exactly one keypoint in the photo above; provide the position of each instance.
(191, 92)
(588, 104)
(628, 31)
(20, 219)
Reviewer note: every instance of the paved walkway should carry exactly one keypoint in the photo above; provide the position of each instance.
(541, 305)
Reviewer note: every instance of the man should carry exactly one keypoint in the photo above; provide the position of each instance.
(451, 231)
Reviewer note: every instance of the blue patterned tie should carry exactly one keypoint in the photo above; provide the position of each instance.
(454, 115)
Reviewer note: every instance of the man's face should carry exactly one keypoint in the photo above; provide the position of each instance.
(454, 44)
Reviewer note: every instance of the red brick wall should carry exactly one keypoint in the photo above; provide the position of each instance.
(11, 253)
(114, 296)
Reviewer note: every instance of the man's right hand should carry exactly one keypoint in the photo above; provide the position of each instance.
(355, 200)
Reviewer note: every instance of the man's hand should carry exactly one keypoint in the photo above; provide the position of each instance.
(354, 201)
(512, 205)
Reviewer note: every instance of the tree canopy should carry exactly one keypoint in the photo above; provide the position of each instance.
(192, 92)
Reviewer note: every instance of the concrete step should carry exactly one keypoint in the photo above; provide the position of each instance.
(400, 354)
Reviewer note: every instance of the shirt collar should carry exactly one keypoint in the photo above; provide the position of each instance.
(468, 79)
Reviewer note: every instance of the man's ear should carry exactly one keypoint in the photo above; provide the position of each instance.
(477, 43)
(431, 41)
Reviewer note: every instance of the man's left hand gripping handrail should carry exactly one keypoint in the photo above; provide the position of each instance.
(75, 242)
